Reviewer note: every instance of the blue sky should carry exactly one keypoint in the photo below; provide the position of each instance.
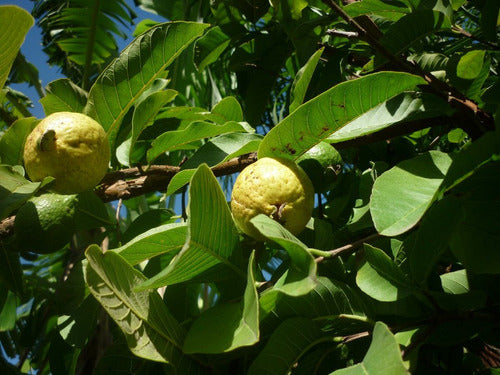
(32, 49)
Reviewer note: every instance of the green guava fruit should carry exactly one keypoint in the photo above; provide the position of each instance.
(71, 147)
(275, 187)
(46, 223)
(321, 164)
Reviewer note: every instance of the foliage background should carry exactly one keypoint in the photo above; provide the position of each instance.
(397, 272)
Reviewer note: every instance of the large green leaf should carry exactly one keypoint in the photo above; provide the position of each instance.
(168, 238)
(285, 346)
(302, 80)
(15, 23)
(319, 118)
(12, 141)
(300, 278)
(179, 139)
(149, 328)
(470, 65)
(137, 67)
(227, 326)
(212, 235)
(382, 358)
(11, 274)
(380, 277)
(402, 195)
(408, 106)
(63, 95)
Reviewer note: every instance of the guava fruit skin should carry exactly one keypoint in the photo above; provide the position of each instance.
(275, 187)
(71, 147)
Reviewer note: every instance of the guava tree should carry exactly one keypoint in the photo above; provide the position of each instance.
(396, 272)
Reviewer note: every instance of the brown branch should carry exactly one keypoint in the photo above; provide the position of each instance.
(347, 248)
(132, 182)
(471, 111)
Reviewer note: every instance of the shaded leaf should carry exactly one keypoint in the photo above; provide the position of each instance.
(137, 67)
(377, 7)
(15, 23)
(228, 326)
(410, 29)
(320, 117)
(285, 346)
(402, 195)
(302, 80)
(12, 141)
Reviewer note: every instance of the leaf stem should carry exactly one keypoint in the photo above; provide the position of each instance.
(343, 249)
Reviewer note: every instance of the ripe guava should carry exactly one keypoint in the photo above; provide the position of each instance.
(275, 187)
(71, 147)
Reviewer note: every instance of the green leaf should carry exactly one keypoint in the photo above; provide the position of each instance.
(12, 141)
(302, 80)
(11, 274)
(470, 65)
(456, 282)
(146, 111)
(133, 72)
(227, 326)
(382, 358)
(168, 238)
(76, 329)
(377, 7)
(402, 195)
(148, 220)
(410, 29)
(408, 106)
(285, 346)
(228, 109)
(320, 117)
(179, 139)
(15, 189)
(432, 238)
(300, 278)
(15, 23)
(380, 277)
(63, 96)
(8, 312)
(211, 45)
(150, 330)
(212, 235)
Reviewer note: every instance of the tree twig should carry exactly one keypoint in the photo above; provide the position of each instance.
(346, 248)
(482, 120)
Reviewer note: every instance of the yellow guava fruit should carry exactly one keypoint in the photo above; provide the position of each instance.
(275, 187)
(71, 147)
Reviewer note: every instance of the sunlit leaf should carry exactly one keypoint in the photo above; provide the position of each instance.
(12, 141)
(15, 23)
(212, 235)
(402, 195)
(383, 345)
(317, 119)
(137, 67)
